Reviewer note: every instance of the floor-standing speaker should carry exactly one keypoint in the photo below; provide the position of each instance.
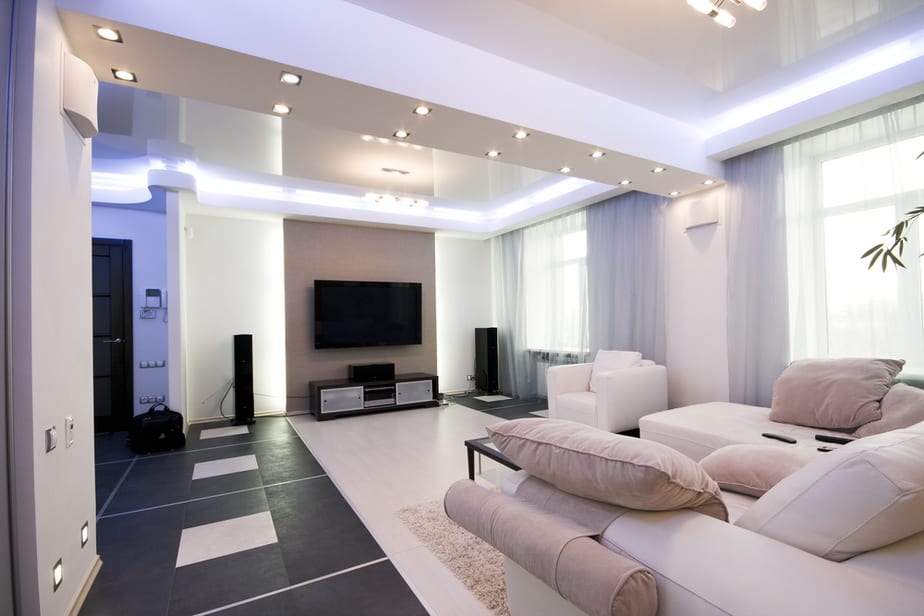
(243, 379)
(486, 359)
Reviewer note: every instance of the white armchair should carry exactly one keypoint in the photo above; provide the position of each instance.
(620, 397)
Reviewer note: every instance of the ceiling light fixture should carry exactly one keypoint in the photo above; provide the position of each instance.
(290, 78)
(123, 75)
(565, 169)
(401, 134)
(520, 134)
(108, 34)
(492, 153)
(396, 171)
(708, 182)
(392, 199)
(597, 154)
(713, 8)
(282, 109)
(658, 170)
(625, 182)
(422, 110)
(673, 193)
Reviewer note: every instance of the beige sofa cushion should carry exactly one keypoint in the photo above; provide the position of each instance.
(607, 467)
(754, 469)
(863, 496)
(842, 393)
(607, 361)
(903, 406)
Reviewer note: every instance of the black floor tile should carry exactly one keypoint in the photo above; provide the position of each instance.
(112, 446)
(317, 529)
(226, 507)
(285, 461)
(107, 478)
(229, 579)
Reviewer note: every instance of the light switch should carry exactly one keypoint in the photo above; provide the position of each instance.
(51, 439)
(68, 431)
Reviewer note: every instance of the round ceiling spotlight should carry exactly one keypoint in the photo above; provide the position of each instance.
(422, 110)
(658, 170)
(520, 134)
(492, 153)
(108, 34)
(597, 154)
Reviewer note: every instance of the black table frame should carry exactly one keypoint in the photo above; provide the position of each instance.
(481, 446)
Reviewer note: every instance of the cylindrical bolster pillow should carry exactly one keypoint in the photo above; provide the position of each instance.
(559, 553)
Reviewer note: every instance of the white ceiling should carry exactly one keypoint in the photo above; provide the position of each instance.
(650, 82)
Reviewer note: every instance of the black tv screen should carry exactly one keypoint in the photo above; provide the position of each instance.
(350, 313)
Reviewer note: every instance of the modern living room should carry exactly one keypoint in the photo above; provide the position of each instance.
(568, 213)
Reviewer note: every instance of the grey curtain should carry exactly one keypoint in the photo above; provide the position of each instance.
(758, 308)
(625, 274)
(513, 368)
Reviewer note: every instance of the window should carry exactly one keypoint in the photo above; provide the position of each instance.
(844, 188)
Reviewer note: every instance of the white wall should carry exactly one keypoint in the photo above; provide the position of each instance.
(234, 285)
(463, 302)
(697, 349)
(51, 340)
(147, 231)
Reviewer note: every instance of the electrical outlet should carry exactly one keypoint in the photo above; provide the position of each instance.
(68, 431)
(144, 400)
(470, 377)
(145, 364)
(159, 398)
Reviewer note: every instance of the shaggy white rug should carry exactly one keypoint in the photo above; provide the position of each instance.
(477, 565)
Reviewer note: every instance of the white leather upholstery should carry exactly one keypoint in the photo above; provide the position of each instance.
(623, 395)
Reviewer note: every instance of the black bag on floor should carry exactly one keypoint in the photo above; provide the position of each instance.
(158, 429)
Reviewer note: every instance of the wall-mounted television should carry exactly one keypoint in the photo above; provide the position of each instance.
(349, 313)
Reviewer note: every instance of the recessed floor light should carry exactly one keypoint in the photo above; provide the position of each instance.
(109, 34)
(84, 534)
(565, 170)
(520, 134)
(658, 170)
(708, 182)
(290, 78)
(673, 193)
(625, 182)
(123, 75)
(422, 110)
(492, 153)
(57, 574)
(597, 154)
(401, 134)
(282, 109)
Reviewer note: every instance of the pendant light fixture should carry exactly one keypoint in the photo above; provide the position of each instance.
(713, 8)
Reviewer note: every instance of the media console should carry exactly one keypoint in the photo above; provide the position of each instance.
(335, 397)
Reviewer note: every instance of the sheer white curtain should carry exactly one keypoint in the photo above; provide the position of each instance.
(758, 330)
(541, 299)
(844, 187)
(625, 272)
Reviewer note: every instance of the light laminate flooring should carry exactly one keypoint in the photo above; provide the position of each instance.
(386, 461)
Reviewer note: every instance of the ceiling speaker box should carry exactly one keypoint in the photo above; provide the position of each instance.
(80, 92)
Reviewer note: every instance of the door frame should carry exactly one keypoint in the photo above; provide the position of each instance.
(128, 362)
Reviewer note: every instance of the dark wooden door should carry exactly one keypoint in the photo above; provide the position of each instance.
(112, 334)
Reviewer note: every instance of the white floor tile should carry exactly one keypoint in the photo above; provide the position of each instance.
(225, 431)
(492, 398)
(225, 466)
(218, 539)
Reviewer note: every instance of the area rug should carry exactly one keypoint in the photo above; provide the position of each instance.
(477, 565)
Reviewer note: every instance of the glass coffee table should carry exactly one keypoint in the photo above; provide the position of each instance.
(484, 447)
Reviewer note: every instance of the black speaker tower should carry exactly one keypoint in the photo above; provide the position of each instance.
(486, 359)
(243, 379)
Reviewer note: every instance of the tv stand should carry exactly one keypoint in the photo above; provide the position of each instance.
(336, 397)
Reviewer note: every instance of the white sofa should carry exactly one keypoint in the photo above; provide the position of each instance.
(622, 396)
(702, 565)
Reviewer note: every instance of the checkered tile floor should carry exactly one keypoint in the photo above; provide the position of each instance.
(242, 521)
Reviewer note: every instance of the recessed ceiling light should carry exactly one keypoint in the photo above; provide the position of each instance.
(520, 134)
(658, 170)
(492, 153)
(108, 34)
(282, 109)
(123, 75)
(396, 171)
(401, 134)
(290, 78)
(597, 154)
(422, 110)
(367, 138)
(673, 193)
(625, 182)
(565, 169)
(708, 182)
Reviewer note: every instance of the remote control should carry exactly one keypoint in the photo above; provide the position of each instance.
(837, 440)
(779, 437)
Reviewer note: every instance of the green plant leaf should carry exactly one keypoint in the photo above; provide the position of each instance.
(872, 250)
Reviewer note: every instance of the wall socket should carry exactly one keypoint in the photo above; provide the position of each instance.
(470, 377)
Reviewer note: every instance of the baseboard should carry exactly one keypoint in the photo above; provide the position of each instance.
(85, 587)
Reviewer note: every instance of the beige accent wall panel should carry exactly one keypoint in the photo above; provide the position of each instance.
(321, 251)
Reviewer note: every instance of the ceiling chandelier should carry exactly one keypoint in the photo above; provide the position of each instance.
(713, 8)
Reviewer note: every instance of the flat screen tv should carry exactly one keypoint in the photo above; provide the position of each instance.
(350, 313)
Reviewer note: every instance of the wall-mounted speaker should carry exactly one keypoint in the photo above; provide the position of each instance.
(243, 379)
(486, 377)
(79, 94)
